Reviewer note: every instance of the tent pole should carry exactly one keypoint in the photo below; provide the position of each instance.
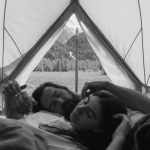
(76, 60)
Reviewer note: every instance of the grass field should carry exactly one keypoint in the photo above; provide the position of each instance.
(64, 78)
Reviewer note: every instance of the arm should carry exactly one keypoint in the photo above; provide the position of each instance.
(120, 134)
(131, 98)
(116, 144)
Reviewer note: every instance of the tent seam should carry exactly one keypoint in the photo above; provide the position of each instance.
(132, 44)
(3, 45)
(148, 79)
(140, 13)
(13, 41)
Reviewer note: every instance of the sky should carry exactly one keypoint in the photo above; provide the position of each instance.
(73, 23)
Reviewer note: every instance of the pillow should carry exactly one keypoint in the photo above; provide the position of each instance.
(45, 117)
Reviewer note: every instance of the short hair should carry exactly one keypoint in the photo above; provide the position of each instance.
(37, 94)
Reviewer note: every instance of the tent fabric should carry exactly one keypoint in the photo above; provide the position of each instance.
(114, 68)
(26, 31)
(120, 22)
(117, 30)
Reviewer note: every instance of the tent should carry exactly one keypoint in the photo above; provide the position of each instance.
(117, 30)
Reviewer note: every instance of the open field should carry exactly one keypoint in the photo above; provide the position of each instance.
(64, 78)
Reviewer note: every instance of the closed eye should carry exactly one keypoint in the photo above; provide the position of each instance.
(52, 105)
(57, 94)
(91, 114)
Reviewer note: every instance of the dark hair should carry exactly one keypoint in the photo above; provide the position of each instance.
(37, 94)
(98, 140)
(110, 106)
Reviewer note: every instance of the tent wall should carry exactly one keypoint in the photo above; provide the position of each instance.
(24, 60)
(117, 30)
(26, 21)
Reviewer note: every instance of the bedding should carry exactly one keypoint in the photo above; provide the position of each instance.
(45, 117)
(51, 119)
(17, 136)
(25, 134)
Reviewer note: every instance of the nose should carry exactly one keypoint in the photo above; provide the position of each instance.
(59, 100)
(81, 109)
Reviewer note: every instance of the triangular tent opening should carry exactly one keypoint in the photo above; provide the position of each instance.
(117, 31)
(70, 61)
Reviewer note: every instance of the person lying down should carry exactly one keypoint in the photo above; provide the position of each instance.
(95, 123)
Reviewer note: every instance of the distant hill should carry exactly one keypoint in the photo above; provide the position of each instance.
(85, 51)
(66, 34)
(58, 51)
(58, 58)
(61, 49)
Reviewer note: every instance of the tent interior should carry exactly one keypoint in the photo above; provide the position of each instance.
(118, 31)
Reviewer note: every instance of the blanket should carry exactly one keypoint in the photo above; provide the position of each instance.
(25, 134)
(15, 135)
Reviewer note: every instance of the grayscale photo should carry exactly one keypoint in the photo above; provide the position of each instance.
(74, 75)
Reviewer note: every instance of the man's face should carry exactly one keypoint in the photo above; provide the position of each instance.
(52, 99)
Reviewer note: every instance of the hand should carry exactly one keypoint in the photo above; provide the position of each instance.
(16, 101)
(11, 88)
(22, 103)
(92, 87)
(124, 127)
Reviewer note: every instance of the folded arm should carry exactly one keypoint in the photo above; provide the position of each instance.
(131, 98)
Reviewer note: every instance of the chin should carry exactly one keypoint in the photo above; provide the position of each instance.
(73, 117)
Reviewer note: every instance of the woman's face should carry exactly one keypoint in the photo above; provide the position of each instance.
(87, 115)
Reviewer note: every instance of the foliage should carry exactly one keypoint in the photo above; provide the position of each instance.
(59, 59)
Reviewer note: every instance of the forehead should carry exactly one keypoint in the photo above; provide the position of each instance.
(94, 104)
(52, 89)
